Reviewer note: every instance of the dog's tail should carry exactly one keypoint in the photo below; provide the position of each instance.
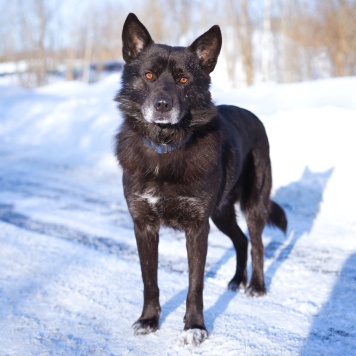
(277, 217)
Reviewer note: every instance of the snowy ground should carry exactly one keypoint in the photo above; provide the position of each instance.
(70, 280)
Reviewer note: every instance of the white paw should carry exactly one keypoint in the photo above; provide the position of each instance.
(193, 337)
(142, 329)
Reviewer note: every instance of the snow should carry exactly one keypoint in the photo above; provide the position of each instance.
(12, 67)
(70, 281)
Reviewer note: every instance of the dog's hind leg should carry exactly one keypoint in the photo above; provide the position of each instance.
(256, 206)
(225, 220)
(256, 223)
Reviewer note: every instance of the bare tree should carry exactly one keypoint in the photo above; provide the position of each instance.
(266, 39)
(337, 31)
(27, 35)
(287, 41)
(246, 42)
(238, 46)
(181, 21)
(36, 39)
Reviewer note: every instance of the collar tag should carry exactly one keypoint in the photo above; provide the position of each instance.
(162, 149)
(166, 148)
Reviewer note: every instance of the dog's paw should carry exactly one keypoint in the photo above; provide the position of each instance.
(193, 337)
(256, 290)
(239, 281)
(235, 285)
(145, 326)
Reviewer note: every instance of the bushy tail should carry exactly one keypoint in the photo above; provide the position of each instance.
(277, 217)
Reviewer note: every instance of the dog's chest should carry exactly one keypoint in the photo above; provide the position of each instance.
(167, 208)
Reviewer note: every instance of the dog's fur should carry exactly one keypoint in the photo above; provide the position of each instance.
(185, 160)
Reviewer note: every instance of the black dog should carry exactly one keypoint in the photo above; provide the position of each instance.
(186, 160)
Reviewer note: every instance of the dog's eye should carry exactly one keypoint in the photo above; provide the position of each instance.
(183, 80)
(149, 75)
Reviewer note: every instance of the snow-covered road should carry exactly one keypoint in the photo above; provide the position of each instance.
(70, 279)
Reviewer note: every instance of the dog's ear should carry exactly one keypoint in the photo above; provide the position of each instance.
(207, 47)
(135, 37)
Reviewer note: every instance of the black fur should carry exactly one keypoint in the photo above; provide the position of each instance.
(219, 156)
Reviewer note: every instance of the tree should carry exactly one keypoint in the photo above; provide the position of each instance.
(35, 39)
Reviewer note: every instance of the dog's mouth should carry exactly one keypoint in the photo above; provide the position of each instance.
(162, 121)
(165, 122)
(166, 125)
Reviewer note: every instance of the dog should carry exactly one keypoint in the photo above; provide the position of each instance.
(185, 161)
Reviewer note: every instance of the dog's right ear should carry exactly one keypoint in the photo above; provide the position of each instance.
(135, 37)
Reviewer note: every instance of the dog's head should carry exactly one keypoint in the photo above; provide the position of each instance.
(166, 85)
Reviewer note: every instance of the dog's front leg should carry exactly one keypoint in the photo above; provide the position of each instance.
(147, 245)
(197, 245)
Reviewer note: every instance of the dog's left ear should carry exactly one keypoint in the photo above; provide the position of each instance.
(135, 37)
(207, 47)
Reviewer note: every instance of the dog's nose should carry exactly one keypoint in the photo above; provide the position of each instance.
(163, 103)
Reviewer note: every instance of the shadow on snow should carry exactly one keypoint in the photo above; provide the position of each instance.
(333, 331)
(301, 201)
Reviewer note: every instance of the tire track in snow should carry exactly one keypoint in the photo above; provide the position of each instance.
(99, 243)
(102, 244)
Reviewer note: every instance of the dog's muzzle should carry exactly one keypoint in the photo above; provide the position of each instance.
(163, 103)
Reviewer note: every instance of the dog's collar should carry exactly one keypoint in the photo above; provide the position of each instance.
(166, 148)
